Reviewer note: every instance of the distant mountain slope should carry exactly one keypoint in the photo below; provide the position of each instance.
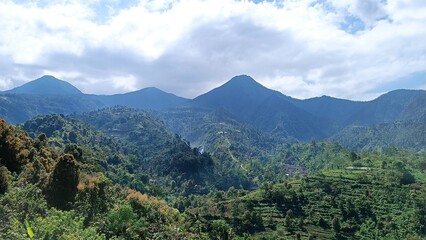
(315, 118)
(337, 110)
(266, 109)
(46, 85)
(395, 119)
(386, 108)
(246, 100)
(147, 98)
(410, 135)
(416, 110)
(18, 108)
(48, 95)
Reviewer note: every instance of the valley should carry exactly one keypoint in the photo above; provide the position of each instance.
(239, 162)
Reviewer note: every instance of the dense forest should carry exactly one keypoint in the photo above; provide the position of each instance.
(119, 173)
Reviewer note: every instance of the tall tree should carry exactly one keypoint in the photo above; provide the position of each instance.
(63, 181)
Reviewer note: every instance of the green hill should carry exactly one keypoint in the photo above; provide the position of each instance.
(407, 135)
(373, 196)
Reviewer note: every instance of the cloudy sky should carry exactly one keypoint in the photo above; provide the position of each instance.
(353, 49)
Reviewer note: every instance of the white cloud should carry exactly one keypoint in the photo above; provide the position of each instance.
(369, 11)
(5, 83)
(189, 46)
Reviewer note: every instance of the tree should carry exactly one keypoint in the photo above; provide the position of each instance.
(63, 181)
(288, 220)
(92, 196)
(75, 150)
(407, 178)
(124, 222)
(252, 221)
(221, 230)
(322, 223)
(336, 224)
(4, 180)
(15, 147)
(63, 225)
(72, 136)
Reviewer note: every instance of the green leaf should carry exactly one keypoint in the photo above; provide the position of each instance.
(29, 230)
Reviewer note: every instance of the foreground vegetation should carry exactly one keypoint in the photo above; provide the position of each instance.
(120, 174)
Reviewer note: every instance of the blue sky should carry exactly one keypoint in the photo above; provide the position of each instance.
(412, 81)
(356, 49)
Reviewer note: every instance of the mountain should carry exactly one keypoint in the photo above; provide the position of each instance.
(219, 133)
(240, 96)
(247, 101)
(147, 98)
(416, 110)
(18, 108)
(337, 110)
(395, 119)
(264, 108)
(45, 95)
(48, 95)
(149, 138)
(386, 108)
(120, 173)
(46, 85)
(378, 137)
(393, 106)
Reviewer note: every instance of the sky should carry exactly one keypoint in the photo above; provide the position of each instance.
(353, 49)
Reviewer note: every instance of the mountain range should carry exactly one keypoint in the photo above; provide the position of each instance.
(241, 99)
(240, 161)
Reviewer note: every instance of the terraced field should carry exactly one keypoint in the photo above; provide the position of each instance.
(335, 204)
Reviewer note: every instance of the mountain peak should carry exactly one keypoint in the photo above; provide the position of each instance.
(240, 96)
(47, 78)
(146, 98)
(46, 85)
(243, 80)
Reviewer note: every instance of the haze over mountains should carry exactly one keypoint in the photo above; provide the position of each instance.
(242, 99)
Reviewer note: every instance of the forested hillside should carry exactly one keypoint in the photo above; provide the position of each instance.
(264, 167)
(80, 175)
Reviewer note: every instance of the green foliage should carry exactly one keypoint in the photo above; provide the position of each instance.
(124, 222)
(4, 180)
(15, 147)
(219, 229)
(94, 150)
(155, 148)
(244, 189)
(342, 202)
(95, 207)
(29, 230)
(63, 225)
(336, 224)
(63, 181)
(94, 197)
(18, 204)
